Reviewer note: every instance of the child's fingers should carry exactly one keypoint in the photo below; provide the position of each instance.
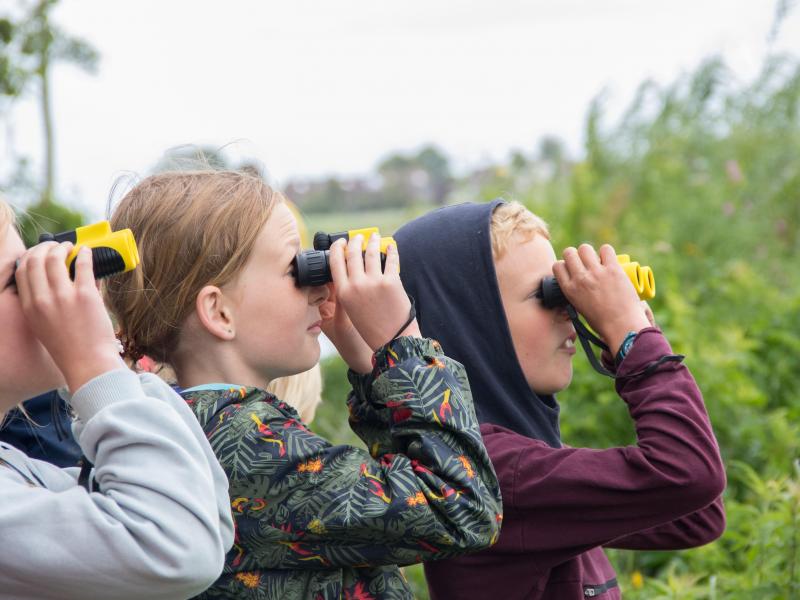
(372, 256)
(588, 256)
(32, 273)
(573, 263)
(561, 273)
(648, 312)
(336, 262)
(327, 309)
(607, 255)
(355, 261)
(84, 270)
(56, 269)
(392, 260)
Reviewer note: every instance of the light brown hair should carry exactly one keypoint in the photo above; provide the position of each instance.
(512, 218)
(7, 217)
(192, 228)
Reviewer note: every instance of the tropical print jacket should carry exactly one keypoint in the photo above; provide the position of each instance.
(317, 521)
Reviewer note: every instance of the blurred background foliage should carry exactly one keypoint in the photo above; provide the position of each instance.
(699, 179)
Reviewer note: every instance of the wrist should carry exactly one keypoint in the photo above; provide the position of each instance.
(361, 363)
(411, 331)
(625, 347)
(88, 367)
(615, 335)
(408, 328)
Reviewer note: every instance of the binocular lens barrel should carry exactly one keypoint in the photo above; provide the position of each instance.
(551, 295)
(311, 267)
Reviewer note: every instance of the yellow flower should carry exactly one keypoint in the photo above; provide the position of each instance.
(637, 580)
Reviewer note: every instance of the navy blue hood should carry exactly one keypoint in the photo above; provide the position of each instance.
(447, 267)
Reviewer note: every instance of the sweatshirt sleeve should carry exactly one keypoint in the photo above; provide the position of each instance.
(429, 492)
(568, 500)
(693, 530)
(153, 527)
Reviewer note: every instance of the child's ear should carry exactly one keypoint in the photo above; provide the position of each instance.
(214, 310)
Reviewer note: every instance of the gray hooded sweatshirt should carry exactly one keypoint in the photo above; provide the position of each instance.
(157, 523)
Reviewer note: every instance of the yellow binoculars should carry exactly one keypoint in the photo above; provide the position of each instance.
(323, 241)
(311, 267)
(112, 251)
(641, 277)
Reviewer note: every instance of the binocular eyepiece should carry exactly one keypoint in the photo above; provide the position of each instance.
(112, 251)
(312, 267)
(640, 276)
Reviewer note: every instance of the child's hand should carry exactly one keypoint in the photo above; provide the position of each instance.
(341, 332)
(375, 301)
(648, 312)
(68, 318)
(600, 290)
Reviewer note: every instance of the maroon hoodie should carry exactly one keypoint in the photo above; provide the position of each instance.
(562, 505)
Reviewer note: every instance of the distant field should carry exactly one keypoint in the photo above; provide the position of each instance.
(387, 220)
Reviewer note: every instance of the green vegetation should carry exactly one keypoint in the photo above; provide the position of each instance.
(30, 45)
(701, 180)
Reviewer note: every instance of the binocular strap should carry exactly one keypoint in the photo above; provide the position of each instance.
(412, 314)
(587, 338)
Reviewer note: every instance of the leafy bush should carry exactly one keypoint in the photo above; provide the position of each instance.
(700, 180)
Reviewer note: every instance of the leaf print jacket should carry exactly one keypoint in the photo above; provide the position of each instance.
(319, 521)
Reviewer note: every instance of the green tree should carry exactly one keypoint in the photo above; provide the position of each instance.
(31, 46)
(41, 45)
(437, 168)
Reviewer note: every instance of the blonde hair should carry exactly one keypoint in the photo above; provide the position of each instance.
(302, 391)
(193, 228)
(7, 217)
(512, 218)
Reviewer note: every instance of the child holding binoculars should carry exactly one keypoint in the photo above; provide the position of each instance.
(216, 298)
(475, 271)
(154, 521)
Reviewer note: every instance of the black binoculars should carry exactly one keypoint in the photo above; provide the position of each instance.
(312, 267)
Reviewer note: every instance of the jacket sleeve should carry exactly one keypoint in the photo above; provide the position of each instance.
(693, 530)
(429, 491)
(569, 500)
(152, 528)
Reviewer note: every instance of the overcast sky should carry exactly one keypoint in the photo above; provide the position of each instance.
(313, 88)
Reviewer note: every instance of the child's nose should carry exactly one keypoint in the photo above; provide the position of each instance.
(318, 294)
